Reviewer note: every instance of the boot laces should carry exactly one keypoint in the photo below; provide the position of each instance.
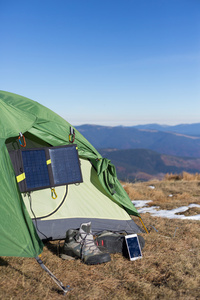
(87, 244)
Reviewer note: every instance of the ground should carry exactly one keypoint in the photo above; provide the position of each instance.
(169, 269)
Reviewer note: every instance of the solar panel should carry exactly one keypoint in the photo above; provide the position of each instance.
(46, 167)
(64, 165)
(35, 169)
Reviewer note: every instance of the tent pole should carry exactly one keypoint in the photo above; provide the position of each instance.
(58, 282)
(143, 225)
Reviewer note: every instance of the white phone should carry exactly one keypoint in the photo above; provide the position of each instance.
(133, 246)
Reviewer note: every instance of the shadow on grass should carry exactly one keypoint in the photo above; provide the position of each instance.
(3, 262)
(55, 247)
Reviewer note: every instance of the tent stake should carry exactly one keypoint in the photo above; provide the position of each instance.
(143, 225)
(58, 282)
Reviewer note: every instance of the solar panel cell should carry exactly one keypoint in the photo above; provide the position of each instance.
(65, 165)
(35, 168)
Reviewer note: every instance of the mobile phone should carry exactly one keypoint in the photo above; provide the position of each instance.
(133, 246)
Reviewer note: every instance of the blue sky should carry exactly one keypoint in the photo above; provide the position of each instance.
(108, 62)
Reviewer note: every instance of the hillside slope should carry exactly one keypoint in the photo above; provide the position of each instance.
(132, 138)
(142, 164)
(186, 129)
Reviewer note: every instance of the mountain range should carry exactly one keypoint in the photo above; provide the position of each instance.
(164, 141)
(149, 151)
(143, 164)
(186, 129)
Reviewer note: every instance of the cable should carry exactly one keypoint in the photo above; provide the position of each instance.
(57, 208)
(50, 214)
(35, 219)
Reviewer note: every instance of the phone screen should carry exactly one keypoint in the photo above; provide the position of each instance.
(133, 247)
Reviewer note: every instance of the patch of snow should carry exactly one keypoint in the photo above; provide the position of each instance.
(179, 209)
(164, 213)
(196, 217)
(148, 209)
(194, 205)
(152, 187)
(140, 203)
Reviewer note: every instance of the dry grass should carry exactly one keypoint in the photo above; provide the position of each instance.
(169, 269)
(167, 194)
(183, 176)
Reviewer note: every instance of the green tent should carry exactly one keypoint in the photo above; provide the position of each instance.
(26, 219)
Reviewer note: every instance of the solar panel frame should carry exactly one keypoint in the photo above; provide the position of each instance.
(29, 161)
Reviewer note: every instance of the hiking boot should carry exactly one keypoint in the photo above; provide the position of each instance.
(80, 244)
(70, 235)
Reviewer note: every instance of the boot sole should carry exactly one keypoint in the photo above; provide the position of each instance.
(71, 253)
(67, 257)
(91, 260)
(97, 259)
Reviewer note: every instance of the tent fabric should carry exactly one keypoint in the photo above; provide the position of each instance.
(55, 229)
(20, 114)
(17, 232)
(76, 204)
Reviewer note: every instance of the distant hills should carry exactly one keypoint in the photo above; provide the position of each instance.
(165, 141)
(143, 164)
(149, 151)
(186, 129)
